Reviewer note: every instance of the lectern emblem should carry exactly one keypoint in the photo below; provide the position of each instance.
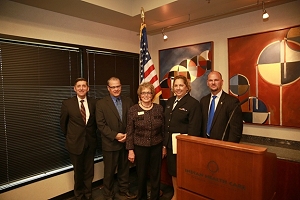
(212, 166)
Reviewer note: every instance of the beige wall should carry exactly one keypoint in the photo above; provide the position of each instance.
(25, 21)
(20, 20)
(48, 188)
(283, 16)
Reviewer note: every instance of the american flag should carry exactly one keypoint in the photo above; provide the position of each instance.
(148, 73)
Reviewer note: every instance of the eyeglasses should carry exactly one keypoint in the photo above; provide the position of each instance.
(114, 87)
(144, 93)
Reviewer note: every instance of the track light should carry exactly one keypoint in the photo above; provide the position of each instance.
(265, 15)
(164, 35)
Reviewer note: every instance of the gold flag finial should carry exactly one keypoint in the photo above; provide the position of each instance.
(142, 15)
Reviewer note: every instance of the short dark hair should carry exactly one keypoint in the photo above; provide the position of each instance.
(81, 79)
(113, 79)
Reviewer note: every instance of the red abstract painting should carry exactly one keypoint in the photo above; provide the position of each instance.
(265, 69)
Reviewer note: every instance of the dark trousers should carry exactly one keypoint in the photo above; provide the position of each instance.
(171, 162)
(148, 159)
(113, 160)
(83, 172)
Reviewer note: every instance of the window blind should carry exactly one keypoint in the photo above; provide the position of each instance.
(34, 79)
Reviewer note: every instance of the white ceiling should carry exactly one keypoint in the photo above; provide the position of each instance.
(159, 14)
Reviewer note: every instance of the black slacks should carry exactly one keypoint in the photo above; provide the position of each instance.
(83, 172)
(114, 160)
(148, 160)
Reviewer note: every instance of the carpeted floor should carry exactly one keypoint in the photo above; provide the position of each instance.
(97, 190)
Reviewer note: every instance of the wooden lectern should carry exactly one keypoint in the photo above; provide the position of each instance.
(213, 169)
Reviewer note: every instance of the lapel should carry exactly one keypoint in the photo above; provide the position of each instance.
(181, 102)
(90, 107)
(76, 105)
(170, 103)
(206, 105)
(123, 107)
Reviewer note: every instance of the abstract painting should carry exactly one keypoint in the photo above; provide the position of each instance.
(192, 61)
(264, 70)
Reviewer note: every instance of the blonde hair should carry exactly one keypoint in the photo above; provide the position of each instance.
(146, 85)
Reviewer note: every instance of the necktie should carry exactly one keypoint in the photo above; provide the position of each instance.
(82, 111)
(175, 103)
(210, 115)
(119, 107)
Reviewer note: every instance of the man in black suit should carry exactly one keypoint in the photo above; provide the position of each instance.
(225, 104)
(111, 116)
(78, 123)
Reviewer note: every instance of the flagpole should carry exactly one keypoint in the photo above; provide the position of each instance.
(150, 75)
(142, 15)
(141, 28)
(143, 21)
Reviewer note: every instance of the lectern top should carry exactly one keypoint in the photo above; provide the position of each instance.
(222, 144)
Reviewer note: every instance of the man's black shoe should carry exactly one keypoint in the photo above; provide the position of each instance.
(128, 195)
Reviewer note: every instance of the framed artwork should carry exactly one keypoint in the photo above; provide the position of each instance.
(193, 61)
(264, 70)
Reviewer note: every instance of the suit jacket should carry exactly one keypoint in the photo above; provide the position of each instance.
(78, 133)
(226, 105)
(184, 118)
(109, 122)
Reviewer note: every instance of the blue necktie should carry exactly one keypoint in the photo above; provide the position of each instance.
(210, 115)
(119, 107)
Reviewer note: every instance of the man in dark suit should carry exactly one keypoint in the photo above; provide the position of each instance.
(225, 104)
(111, 116)
(78, 123)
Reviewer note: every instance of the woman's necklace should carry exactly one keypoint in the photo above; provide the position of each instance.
(146, 106)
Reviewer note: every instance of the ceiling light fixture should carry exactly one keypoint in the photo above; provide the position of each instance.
(199, 20)
(164, 35)
(265, 15)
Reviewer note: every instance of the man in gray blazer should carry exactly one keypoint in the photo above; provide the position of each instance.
(225, 105)
(81, 141)
(111, 117)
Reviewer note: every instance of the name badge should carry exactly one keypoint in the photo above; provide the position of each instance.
(141, 113)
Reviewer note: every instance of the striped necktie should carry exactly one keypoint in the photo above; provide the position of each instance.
(82, 111)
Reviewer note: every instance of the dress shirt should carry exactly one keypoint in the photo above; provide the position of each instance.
(115, 100)
(216, 99)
